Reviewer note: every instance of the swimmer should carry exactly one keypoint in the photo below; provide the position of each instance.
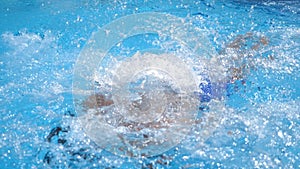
(105, 104)
(238, 72)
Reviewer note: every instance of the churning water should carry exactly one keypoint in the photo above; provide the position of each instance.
(150, 84)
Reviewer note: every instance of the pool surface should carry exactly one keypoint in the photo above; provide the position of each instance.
(244, 55)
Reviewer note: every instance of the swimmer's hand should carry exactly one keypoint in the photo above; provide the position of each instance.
(97, 101)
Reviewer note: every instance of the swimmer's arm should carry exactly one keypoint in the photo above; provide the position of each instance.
(241, 59)
(240, 41)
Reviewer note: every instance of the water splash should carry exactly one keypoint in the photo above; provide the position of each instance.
(260, 124)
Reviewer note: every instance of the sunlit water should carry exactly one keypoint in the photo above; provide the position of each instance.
(41, 40)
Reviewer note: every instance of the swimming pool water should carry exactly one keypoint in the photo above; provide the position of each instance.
(41, 40)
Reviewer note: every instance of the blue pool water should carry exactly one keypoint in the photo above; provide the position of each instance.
(260, 125)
